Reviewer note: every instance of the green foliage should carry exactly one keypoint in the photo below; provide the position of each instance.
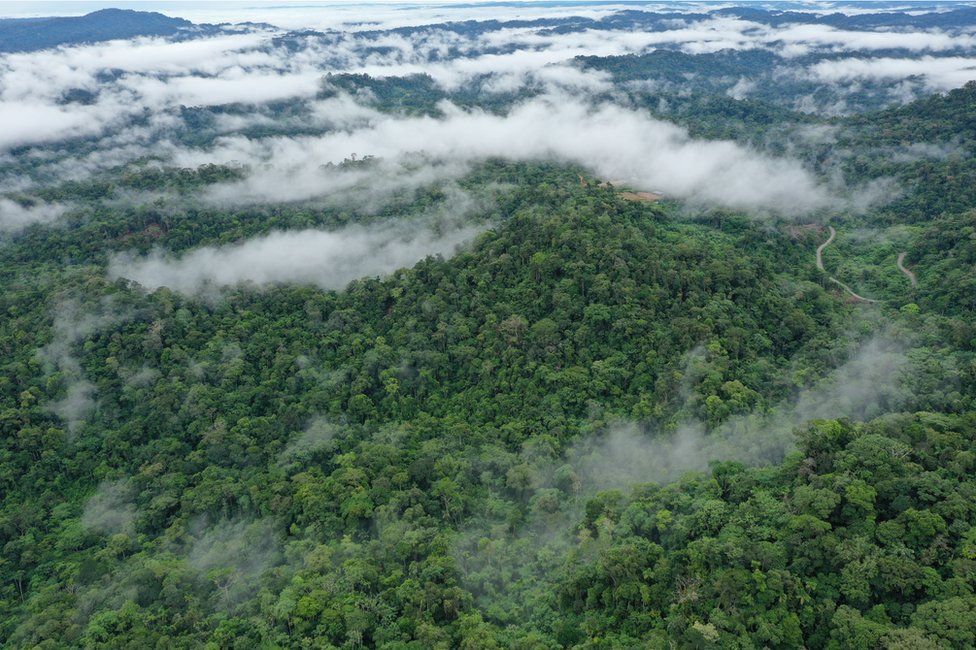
(404, 463)
(842, 546)
(391, 465)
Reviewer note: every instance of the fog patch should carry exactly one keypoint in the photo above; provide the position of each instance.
(925, 151)
(111, 510)
(319, 435)
(73, 323)
(144, 376)
(14, 216)
(233, 554)
(870, 383)
(499, 557)
(741, 89)
(78, 401)
(814, 134)
(873, 193)
(327, 259)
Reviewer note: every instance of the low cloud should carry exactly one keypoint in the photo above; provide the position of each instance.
(328, 259)
(234, 87)
(110, 510)
(497, 560)
(926, 151)
(77, 403)
(14, 216)
(32, 85)
(285, 173)
(73, 323)
(798, 40)
(233, 554)
(29, 122)
(615, 142)
(138, 86)
(937, 73)
(320, 434)
(870, 383)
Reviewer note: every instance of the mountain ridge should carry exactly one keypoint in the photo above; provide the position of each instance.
(32, 34)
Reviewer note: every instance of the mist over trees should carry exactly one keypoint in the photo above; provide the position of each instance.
(520, 325)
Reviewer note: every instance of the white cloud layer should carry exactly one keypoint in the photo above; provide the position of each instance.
(615, 142)
(14, 217)
(235, 86)
(937, 73)
(126, 96)
(156, 74)
(328, 259)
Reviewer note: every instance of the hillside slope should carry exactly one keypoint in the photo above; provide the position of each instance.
(29, 34)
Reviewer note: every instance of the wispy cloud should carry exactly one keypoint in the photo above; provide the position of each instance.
(870, 383)
(328, 259)
(14, 216)
(615, 142)
(937, 73)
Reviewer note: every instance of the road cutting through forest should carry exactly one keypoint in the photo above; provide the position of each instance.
(833, 233)
(908, 273)
(820, 265)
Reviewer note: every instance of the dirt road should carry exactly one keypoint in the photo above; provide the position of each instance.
(851, 291)
(820, 265)
(907, 272)
(821, 247)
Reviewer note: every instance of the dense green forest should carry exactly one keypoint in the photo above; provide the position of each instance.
(404, 463)
(601, 421)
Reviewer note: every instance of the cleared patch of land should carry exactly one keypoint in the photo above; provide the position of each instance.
(646, 197)
(627, 195)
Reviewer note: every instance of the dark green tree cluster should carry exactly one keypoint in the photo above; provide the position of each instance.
(486, 451)
(862, 538)
(393, 465)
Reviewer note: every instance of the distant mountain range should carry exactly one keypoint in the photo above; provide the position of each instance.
(30, 34)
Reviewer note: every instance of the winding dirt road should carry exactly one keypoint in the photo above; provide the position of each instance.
(820, 265)
(851, 291)
(833, 233)
(908, 273)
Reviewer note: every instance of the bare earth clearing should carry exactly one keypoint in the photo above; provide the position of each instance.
(647, 197)
(643, 197)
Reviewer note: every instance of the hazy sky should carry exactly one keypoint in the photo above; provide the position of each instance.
(294, 14)
(303, 13)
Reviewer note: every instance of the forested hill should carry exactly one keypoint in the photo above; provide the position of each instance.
(943, 119)
(398, 464)
(557, 329)
(29, 34)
